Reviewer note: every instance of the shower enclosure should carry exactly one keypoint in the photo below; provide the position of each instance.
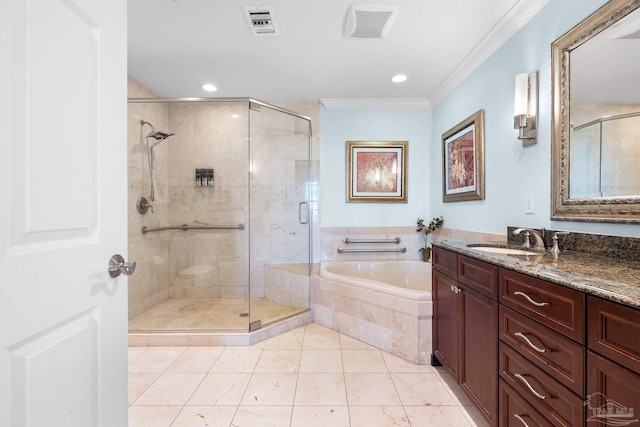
(225, 244)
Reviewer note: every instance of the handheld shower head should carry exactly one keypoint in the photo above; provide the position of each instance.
(159, 136)
(155, 133)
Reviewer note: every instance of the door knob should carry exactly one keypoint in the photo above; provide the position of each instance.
(117, 266)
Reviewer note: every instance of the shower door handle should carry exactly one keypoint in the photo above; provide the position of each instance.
(300, 220)
(117, 266)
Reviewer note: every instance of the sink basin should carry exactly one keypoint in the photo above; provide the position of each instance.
(502, 250)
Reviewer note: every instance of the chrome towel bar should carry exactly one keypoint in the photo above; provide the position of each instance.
(343, 250)
(185, 227)
(348, 240)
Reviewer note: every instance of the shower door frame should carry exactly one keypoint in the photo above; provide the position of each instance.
(256, 323)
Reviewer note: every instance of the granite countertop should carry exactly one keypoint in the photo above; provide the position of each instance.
(605, 277)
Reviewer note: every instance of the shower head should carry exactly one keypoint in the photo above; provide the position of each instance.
(155, 133)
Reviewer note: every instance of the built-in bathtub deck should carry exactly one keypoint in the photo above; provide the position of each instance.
(393, 323)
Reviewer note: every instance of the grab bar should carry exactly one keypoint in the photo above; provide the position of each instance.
(185, 227)
(343, 250)
(348, 240)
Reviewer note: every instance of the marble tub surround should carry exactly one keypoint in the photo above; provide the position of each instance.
(288, 284)
(618, 247)
(610, 278)
(331, 240)
(398, 325)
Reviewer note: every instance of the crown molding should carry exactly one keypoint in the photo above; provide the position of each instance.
(376, 103)
(512, 22)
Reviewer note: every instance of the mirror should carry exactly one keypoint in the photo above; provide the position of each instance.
(595, 161)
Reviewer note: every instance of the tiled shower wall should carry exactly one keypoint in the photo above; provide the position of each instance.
(150, 284)
(208, 263)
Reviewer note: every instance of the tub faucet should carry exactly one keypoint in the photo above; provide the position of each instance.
(528, 232)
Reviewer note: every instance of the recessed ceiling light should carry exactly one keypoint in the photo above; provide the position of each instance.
(399, 78)
(209, 87)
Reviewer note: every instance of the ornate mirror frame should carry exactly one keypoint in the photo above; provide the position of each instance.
(564, 208)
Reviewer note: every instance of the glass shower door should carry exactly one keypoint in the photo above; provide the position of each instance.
(280, 229)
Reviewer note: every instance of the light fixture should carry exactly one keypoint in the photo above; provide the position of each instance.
(525, 108)
(209, 87)
(399, 78)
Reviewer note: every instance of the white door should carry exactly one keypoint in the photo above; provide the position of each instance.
(63, 319)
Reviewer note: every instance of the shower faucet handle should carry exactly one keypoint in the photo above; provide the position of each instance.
(143, 205)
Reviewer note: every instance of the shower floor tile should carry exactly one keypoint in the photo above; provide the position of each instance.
(197, 314)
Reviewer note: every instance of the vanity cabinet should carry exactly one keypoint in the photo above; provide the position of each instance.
(465, 326)
(564, 358)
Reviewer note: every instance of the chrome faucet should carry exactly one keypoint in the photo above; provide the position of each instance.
(528, 232)
(556, 250)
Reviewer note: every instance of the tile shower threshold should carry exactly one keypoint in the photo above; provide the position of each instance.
(138, 338)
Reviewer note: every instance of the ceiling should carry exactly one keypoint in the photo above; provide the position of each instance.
(174, 46)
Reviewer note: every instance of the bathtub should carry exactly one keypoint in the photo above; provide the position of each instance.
(408, 279)
(386, 304)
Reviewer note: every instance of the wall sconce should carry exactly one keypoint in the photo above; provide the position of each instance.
(526, 108)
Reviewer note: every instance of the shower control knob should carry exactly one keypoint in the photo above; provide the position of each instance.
(117, 266)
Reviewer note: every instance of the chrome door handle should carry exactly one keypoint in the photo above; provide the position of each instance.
(117, 266)
(306, 205)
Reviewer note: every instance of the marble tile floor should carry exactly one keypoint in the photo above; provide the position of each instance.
(193, 314)
(309, 377)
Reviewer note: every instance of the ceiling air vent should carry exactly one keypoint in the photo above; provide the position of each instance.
(262, 21)
(369, 21)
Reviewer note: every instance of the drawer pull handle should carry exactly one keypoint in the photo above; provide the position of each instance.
(536, 303)
(519, 418)
(531, 389)
(532, 345)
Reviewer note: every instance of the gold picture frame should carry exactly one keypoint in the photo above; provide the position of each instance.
(463, 160)
(377, 171)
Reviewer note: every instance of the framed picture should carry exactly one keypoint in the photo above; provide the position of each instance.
(463, 160)
(377, 171)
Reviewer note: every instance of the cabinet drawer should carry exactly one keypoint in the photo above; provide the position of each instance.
(541, 390)
(612, 391)
(478, 275)
(515, 411)
(445, 261)
(555, 306)
(555, 354)
(614, 331)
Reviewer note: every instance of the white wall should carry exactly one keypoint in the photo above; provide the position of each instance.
(339, 126)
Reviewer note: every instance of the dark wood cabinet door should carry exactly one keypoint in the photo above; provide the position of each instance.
(613, 393)
(446, 322)
(614, 331)
(479, 364)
